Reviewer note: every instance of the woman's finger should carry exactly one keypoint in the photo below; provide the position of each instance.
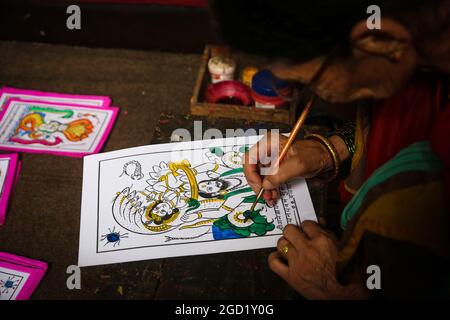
(277, 265)
(311, 229)
(288, 169)
(285, 248)
(261, 151)
(251, 171)
(275, 194)
(294, 235)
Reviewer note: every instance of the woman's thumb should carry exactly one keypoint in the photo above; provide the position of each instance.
(277, 176)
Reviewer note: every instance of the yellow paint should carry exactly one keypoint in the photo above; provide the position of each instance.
(198, 224)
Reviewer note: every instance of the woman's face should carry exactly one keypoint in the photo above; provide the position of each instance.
(348, 79)
(162, 209)
(210, 187)
(377, 66)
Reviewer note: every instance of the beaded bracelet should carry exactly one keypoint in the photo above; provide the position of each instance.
(333, 152)
(347, 134)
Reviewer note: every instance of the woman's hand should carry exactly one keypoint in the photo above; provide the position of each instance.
(309, 265)
(305, 158)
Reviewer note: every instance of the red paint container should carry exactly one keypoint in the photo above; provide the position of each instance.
(229, 92)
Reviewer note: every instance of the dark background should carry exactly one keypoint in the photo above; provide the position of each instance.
(109, 25)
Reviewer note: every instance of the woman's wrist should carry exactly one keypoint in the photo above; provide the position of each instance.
(327, 159)
(347, 134)
(340, 147)
(325, 163)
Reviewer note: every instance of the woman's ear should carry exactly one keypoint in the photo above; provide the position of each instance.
(392, 40)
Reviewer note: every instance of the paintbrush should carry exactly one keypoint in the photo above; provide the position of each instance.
(285, 149)
(298, 124)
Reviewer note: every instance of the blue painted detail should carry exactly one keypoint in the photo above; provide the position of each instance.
(113, 237)
(224, 234)
(9, 284)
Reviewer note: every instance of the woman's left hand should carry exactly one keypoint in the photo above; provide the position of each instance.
(309, 264)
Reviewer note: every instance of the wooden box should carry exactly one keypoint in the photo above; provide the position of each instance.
(201, 108)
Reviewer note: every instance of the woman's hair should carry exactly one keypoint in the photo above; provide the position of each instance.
(158, 219)
(218, 195)
(294, 29)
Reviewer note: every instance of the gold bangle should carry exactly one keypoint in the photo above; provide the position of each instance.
(332, 151)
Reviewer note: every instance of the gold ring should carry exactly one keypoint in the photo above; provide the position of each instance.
(285, 250)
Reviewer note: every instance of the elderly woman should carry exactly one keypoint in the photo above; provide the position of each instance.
(396, 148)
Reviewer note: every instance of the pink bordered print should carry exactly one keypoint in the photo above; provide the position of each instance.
(25, 135)
(7, 93)
(9, 168)
(19, 276)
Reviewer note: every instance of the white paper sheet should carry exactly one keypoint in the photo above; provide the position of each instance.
(178, 199)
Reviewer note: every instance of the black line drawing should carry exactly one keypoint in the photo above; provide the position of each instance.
(169, 238)
(132, 208)
(133, 169)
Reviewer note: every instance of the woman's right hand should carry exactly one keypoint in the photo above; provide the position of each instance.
(305, 158)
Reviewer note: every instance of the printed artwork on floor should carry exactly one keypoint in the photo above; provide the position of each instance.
(44, 126)
(11, 283)
(155, 200)
(7, 93)
(51, 127)
(19, 276)
(9, 169)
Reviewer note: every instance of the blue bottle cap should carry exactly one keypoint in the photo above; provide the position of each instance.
(266, 84)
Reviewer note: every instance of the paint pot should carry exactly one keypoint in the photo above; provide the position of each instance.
(229, 92)
(269, 92)
(247, 75)
(221, 69)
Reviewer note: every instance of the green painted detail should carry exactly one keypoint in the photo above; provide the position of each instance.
(192, 204)
(217, 151)
(244, 149)
(232, 171)
(260, 225)
(68, 113)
